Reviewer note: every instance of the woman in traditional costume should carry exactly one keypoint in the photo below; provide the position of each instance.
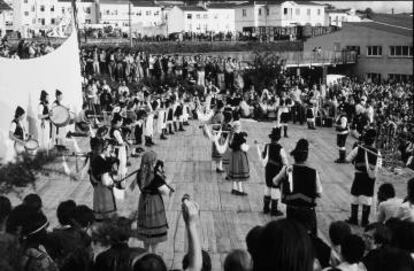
(152, 227)
(120, 149)
(104, 205)
(239, 170)
(45, 125)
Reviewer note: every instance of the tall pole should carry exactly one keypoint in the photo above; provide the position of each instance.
(75, 20)
(130, 24)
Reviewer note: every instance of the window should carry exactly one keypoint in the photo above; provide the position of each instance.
(399, 77)
(308, 12)
(189, 16)
(33, 21)
(374, 51)
(343, 19)
(244, 11)
(198, 27)
(33, 8)
(116, 12)
(63, 10)
(319, 12)
(157, 13)
(401, 50)
(260, 11)
(52, 9)
(42, 21)
(267, 11)
(108, 12)
(88, 10)
(139, 13)
(88, 21)
(205, 16)
(285, 11)
(26, 13)
(148, 13)
(355, 48)
(52, 21)
(42, 8)
(198, 16)
(297, 11)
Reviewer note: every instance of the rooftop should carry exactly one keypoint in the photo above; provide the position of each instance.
(4, 6)
(399, 30)
(82, 1)
(135, 3)
(338, 10)
(393, 19)
(138, 3)
(221, 5)
(191, 8)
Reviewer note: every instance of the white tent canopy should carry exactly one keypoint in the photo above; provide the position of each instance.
(21, 82)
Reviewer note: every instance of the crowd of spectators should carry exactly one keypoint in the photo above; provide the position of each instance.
(25, 49)
(80, 242)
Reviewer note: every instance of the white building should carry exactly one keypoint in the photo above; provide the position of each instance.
(143, 13)
(86, 11)
(287, 13)
(188, 19)
(221, 17)
(6, 18)
(337, 16)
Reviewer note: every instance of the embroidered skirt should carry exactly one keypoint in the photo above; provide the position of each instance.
(152, 226)
(239, 169)
(104, 205)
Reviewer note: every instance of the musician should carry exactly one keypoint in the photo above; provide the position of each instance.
(310, 116)
(149, 123)
(360, 116)
(239, 170)
(101, 167)
(366, 162)
(17, 131)
(217, 120)
(178, 114)
(152, 226)
(57, 133)
(274, 158)
(45, 125)
(342, 131)
(115, 133)
(301, 187)
(169, 104)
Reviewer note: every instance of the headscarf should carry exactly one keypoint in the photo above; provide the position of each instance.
(146, 173)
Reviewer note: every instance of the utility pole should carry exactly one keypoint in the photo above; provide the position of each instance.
(130, 25)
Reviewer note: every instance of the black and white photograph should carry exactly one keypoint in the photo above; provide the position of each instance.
(194, 135)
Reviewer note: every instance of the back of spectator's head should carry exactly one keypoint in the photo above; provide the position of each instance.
(253, 241)
(150, 262)
(410, 191)
(393, 259)
(16, 218)
(352, 248)
(385, 191)
(338, 230)
(238, 260)
(5, 208)
(33, 201)
(284, 245)
(402, 234)
(34, 226)
(382, 234)
(206, 261)
(83, 216)
(65, 212)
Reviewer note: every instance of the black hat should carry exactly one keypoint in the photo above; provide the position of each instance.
(370, 134)
(220, 104)
(58, 92)
(276, 133)
(301, 147)
(43, 94)
(19, 111)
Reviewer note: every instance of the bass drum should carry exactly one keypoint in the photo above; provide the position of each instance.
(59, 116)
(30, 146)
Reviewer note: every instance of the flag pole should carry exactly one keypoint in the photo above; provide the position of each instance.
(75, 20)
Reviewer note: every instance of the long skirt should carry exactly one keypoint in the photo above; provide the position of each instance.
(152, 226)
(215, 155)
(122, 156)
(239, 169)
(104, 205)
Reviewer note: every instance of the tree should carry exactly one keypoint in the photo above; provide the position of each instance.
(369, 12)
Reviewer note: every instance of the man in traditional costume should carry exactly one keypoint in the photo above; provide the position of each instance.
(366, 160)
(216, 121)
(342, 131)
(45, 125)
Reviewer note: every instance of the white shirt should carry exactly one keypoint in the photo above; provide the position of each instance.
(406, 212)
(123, 89)
(388, 209)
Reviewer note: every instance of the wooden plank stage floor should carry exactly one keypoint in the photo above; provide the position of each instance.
(225, 219)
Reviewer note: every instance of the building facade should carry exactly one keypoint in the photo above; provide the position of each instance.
(188, 19)
(336, 17)
(384, 50)
(287, 13)
(6, 18)
(221, 17)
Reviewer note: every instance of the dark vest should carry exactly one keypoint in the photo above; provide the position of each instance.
(18, 132)
(304, 188)
(274, 159)
(359, 161)
(309, 113)
(45, 109)
(338, 122)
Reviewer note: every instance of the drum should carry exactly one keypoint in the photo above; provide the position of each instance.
(72, 117)
(30, 146)
(59, 116)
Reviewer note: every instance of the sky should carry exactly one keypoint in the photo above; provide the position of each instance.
(376, 6)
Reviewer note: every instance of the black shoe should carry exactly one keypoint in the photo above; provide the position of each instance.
(181, 130)
(163, 137)
(69, 135)
(234, 192)
(186, 123)
(339, 161)
(219, 170)
(243, 194)
(277, 213)
(135, 155)
(171, 133)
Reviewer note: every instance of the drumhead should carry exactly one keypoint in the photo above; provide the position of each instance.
(60, 116)
(31, 145)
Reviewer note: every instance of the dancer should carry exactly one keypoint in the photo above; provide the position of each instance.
(283, 112)
(366, 159)
(342, 131)
(100, 173)
(17, 131)
(149, 124)
(115, 134)
(57, 133)
(152, 220)
(273, 158)
(216, 121)
(239, 170)
(301, 187)
(310, 116)
(45, 125)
